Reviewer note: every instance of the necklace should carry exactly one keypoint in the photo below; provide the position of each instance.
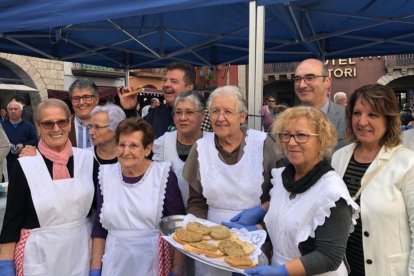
(131, 185)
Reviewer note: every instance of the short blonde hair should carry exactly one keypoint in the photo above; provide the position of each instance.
(323, 127)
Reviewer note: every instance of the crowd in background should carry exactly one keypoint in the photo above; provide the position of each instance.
(330, 180)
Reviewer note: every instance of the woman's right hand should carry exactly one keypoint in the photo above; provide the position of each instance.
(7, 268)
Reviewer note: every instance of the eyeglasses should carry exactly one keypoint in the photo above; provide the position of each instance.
(187, 113)
(96, 127)
(300, 138)
(215, 113)
(85, 98)
(51, 124)
(270, 101)
(308, 79)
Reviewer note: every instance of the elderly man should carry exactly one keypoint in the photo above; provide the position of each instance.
(341, 98)
(20, 132)
(240, 158)
(312, 83)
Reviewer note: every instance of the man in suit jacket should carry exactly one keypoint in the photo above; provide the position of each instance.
(312, 83)
(83, 93)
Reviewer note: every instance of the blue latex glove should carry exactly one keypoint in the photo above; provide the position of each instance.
(239, 226)
(267, 270)
(250, 216)
(95, 272)
(172, 274)
(7, 268)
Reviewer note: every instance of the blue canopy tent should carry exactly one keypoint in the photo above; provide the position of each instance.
(151, 33)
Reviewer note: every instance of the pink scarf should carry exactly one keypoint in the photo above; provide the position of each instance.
(59, 159)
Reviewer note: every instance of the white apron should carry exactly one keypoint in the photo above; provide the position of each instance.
(165, 149)
(229, 189)
(131, 214)
(292, 221)
(61, 246)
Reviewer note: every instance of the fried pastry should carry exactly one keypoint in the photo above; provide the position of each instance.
(198, 228)
(204, 248)
(231, 248)
(219, 232)
(242, 262)
(184, 236)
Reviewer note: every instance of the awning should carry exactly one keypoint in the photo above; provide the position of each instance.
(16, 87)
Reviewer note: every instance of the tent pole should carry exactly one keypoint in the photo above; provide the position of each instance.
(256, 63)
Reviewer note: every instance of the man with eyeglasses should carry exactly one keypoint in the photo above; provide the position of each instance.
(83, 94)
(312, 84)
(20, 132)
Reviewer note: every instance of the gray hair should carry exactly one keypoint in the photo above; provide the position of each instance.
(51, 103)
(114, 112)
(339, 95)
(229, 90)
(15, 102)
(84, 84)
(190, 96)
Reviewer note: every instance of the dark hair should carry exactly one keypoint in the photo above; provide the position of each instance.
(382, 100)
(84, 84)
(19, 99)
(188, 69)
(133, 124)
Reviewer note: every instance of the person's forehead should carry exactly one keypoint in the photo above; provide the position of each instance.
(81, 91)
(185, 104)
(100, 116)
(225, 101)
(309, 67)
(175, 74)
(14, 105)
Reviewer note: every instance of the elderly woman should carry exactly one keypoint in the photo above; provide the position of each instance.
(135, 194)
(49, 198)
(103, 123)
(240, 158)
(379, 172)
(310, 213)
(175, 146)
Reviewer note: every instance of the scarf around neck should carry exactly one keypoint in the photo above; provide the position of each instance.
(303, 184)
(59, 159)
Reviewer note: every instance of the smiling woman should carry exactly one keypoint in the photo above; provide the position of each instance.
(308, 200)
(49, 198)
(134, 194)
(379, 172)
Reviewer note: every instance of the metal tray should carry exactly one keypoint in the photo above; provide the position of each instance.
(168, 225)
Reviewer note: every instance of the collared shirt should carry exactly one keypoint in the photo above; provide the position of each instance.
(325, 107)
(83, 139)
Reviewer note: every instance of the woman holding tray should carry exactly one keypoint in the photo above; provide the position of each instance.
(310, 213)
(228, 170)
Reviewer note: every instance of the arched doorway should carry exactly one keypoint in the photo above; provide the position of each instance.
(14, 81)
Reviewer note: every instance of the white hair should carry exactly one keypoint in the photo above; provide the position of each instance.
(339, 95)
(229, 90)
(114, 112)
